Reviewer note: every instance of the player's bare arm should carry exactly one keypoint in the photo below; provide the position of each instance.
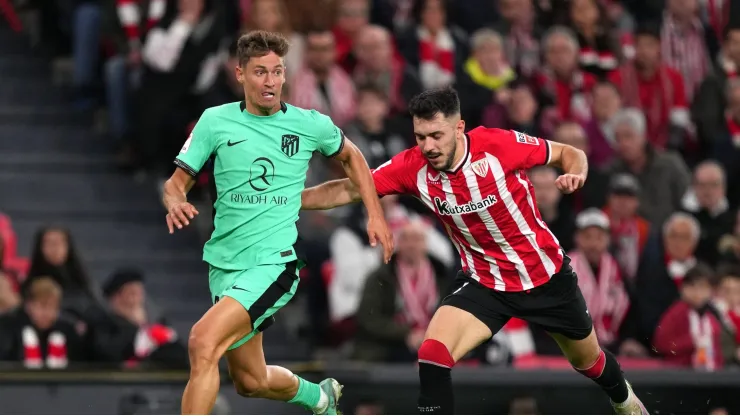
(328, 195)
(174, 198)
(359, 175)
(573, 162)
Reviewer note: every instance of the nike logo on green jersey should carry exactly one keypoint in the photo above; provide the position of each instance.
(230, 143)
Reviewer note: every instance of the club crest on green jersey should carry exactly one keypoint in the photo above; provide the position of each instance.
(290, 144)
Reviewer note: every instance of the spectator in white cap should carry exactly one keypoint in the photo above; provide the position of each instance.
(599, 277)
(629, 230)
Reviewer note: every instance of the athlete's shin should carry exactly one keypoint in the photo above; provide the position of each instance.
(605, 371)
(435, 365)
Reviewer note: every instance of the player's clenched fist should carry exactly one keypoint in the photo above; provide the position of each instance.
(179, 215)
(377, 231)
(569, 183)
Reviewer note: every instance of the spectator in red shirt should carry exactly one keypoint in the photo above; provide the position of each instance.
(562, 84)
(650, 85)
(688, 334)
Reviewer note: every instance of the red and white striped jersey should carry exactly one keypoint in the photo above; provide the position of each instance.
(487, 206)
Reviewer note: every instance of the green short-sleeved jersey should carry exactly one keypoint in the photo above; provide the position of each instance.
(259, 169)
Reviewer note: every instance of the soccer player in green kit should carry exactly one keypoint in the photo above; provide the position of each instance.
(260, 149)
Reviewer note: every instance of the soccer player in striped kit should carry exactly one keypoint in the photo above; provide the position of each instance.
(513, 266)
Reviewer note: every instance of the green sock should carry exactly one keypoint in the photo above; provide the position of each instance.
(309, 394)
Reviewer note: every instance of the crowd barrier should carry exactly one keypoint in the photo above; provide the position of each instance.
(394, 387)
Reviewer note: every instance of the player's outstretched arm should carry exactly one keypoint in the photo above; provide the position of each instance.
(174, 198)
(330, 195)
(573, 162)
(359, 174)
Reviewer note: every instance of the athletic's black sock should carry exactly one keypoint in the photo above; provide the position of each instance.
(607, 374)
(436, 390)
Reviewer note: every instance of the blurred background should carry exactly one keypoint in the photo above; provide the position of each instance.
(97, 97)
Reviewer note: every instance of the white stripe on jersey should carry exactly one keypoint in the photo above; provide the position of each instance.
(493, 229)
(421, 183)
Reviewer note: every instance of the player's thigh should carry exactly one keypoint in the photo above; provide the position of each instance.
(223, 324)
(262, 291)
(467, 317)
(560, 309)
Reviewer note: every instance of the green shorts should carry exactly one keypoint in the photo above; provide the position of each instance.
(262, 290)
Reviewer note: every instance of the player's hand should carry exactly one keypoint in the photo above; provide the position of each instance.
(378, 232)
(180, 215)
(569, 183)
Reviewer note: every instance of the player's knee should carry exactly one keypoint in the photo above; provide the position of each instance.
(434, 352)
(202, 348)
(248, 385)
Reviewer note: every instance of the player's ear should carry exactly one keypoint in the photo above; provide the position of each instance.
(239, 71)
(461, 126)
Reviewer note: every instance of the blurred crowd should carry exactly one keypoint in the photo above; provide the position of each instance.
(648, 89)
(53, 314)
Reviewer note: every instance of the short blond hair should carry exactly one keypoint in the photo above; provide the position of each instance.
(43, 288)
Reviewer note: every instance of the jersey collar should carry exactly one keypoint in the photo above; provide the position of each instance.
(283, 107)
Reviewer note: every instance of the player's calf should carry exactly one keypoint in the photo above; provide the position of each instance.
(602, 367)
(435, 365)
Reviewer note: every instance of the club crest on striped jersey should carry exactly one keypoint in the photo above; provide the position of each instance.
(480, 167)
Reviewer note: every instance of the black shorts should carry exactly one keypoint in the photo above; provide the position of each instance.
(557, 306)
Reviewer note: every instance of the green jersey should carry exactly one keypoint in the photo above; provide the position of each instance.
(259, 169)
